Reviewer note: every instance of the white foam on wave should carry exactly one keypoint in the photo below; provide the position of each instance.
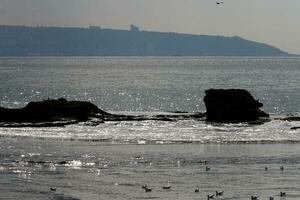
(160, 132)
(74, 164)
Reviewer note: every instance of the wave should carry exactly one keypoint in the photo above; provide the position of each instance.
(165, 132)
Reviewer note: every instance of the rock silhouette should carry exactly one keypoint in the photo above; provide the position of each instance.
(51, 110)
(232, 105)
(60, 112)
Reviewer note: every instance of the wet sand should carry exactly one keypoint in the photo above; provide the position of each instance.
(102, 170)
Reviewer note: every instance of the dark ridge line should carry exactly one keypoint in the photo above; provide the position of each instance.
(79, 41)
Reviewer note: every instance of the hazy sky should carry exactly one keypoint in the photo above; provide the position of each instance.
(275, 22)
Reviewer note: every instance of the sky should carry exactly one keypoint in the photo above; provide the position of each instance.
(275, 22)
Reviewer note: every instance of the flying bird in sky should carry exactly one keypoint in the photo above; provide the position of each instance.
(219, 2)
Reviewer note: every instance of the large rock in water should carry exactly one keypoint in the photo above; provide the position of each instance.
(232, 105)
(51, 110)
(60, 112)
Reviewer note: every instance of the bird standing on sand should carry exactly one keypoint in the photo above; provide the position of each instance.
(145, 187)
(148, 189)
(281, 168)
(271, 198)
(282, 194)
(254, 197)
(52, 189)
(197, 189)
(219, 193)
(167, 187)
(207, 168)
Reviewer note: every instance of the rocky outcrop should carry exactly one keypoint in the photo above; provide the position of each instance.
(51, 110)
(232, 105)
(291, 118)
(60, 112)
(170, 116)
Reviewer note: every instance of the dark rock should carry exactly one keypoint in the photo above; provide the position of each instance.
(295, 128)
(291, 118)
(34, 124)
(232, 105)
(60, 112)
(50, 111)
(161, 117)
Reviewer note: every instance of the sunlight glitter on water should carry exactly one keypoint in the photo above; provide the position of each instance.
(165, 132)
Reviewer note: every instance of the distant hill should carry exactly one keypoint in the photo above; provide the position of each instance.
(94, 41)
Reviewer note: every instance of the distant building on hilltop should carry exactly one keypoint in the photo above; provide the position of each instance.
(134, 28)
(95, 27)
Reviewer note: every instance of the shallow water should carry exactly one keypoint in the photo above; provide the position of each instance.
(100, 170)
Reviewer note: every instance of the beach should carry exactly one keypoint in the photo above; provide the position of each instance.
(101, 170)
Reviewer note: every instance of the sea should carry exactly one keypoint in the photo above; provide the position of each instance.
(114, 160)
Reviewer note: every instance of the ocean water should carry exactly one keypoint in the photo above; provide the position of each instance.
(113, 160)
(149, 83)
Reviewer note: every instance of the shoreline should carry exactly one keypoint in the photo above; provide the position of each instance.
(119, 171)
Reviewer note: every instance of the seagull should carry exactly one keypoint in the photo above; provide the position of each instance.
(219, 193)
(148, 189)
(271, 198)
(52, 189)
(167, 187)
(197, 189)
(207, 168)
(254, 197)
(282, 194)
(266, 168)
(144, 186)
(281, 168)
(219, 2)
(210, 196)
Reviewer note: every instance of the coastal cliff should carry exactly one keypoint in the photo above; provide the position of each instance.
(96, 41)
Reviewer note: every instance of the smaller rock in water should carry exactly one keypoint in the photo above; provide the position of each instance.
(232, 105)
(52, 110)
(295, 128)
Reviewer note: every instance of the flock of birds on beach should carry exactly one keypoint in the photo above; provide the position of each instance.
(217, 193)
(209, 196)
